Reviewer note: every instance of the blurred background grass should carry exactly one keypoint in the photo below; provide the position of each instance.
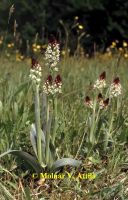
(97, 23)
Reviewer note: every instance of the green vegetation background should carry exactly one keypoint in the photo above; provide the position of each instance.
(104, 20)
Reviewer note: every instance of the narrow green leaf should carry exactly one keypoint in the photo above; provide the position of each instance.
(66, 161)
(44, 112)
(33, 138)
(26, 157)
(52, 154)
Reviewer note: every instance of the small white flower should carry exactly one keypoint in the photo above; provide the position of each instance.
(115, 88)
(35, 72)
(100, 83)
(52, 54)
(52, 87)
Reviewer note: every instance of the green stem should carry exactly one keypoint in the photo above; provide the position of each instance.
(38, 125)
(97, 118)
(55, 119)
(92, 135)
(47, 136)
(108, 133)
(110, 127)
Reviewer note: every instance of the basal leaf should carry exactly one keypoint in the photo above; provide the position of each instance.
(66, 161)
(33, 138)
(44, 112)
(32, 161)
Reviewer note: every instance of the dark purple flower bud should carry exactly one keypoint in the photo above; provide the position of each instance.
(87, 100)
(102, 76)
(52, 40)
(100, 97)
(116, 81)
(106, 102)
(49, 79)
(34, 63)
(58, 79)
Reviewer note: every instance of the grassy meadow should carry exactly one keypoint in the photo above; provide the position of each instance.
(99, 138)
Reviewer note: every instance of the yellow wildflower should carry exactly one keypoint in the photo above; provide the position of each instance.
(9, 45)
(126, 55)
(76, 17)
(35, 49)
(120, 49)
(34, 45)
(114, 44)
(125, 44)
(21, 57)
(80, 27)
(38, 47)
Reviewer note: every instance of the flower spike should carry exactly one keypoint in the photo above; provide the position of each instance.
(115, 88)
(100, 83)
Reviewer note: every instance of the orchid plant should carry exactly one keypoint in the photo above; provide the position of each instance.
(43, 131)
(103, 109)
